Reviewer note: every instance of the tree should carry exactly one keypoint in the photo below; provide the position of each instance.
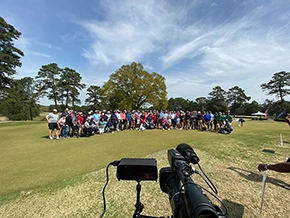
(175, 104)
(252, 107)
(217, 100)
(201, 103)
(278, 85)
(19, 102)
(47, 82)
(94, 98)
(9, 54)
(30, 97)
(236, 97)
(132, 87)
(69, 86)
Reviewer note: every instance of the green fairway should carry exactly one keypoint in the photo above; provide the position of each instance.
(29, 159)
(35, 169)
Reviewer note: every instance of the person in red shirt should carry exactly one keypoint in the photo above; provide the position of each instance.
(80, 123)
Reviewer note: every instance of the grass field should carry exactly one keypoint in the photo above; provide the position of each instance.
(49, 178)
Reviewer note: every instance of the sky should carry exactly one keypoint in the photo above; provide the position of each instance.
(195, 44)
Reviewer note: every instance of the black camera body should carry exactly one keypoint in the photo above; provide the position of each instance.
(138, 169)
(187, 199)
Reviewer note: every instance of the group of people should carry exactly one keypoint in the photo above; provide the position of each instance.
(72, 123)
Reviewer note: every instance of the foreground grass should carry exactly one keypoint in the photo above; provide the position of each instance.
(45, 178)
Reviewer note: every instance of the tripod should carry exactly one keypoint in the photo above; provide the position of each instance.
(139, 206)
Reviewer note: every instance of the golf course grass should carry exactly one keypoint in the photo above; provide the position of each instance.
(64, 178)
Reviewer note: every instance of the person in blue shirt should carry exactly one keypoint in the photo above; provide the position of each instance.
(128, 118)
(114, 120)
(96, 116)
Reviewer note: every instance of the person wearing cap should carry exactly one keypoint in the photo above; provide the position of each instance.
(53, 126)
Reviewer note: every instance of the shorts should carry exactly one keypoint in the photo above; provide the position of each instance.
(101, 130)
(53, 126)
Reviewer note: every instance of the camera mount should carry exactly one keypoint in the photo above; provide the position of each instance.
(186, 197)
(139, 206)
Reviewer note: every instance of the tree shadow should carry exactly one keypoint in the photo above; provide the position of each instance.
(251, 176)
(235, 210)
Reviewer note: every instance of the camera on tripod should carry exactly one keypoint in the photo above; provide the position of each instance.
(187, 198)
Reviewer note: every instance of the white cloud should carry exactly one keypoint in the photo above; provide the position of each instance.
(195, 45)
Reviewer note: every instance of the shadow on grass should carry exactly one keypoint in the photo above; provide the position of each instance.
(234, 209)
(286, 142)
(44, 137)
(268, 151)
(249, 175)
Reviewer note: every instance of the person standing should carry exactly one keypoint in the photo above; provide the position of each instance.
(220, 119)
(199, 118)
(229, 117)
(97, 116)
(114, 120)
(52, 120)
(128, 119)
(74, 124)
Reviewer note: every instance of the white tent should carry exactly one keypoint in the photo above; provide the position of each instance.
(259, 113)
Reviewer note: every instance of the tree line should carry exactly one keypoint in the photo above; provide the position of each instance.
(130, 87)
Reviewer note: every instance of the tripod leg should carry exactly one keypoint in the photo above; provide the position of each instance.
(139, 206)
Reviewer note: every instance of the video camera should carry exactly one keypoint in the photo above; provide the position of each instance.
(187, 199)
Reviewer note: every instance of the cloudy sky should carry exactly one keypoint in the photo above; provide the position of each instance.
(195, 44)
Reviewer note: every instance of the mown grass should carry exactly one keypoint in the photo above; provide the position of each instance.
(50, 178)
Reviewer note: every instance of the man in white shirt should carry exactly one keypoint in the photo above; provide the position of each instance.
(53, 125)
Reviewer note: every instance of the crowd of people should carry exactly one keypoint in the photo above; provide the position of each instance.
(76, 124)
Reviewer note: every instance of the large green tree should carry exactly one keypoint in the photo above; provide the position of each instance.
(236, 97)
(217, 100)
(279, 85)
(69, 86)
(47, 82)
(201, 104)
(20, 100)
(9, 54)
(94, 97)
(175, 104)
(132, 87)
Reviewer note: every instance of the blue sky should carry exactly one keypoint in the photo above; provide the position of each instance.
(195, 44)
